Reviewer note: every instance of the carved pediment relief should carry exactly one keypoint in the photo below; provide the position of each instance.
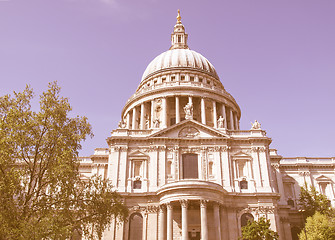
(188, 132)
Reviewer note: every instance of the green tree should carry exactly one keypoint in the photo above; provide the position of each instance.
(42, 195)
(311, 201)
(318, 227)
(258, 230)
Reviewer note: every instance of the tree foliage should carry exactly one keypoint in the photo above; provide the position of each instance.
(319, 227)
(41, 193)
(258, 230)
(312, 201)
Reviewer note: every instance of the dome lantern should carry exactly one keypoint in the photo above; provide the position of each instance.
(179, 36)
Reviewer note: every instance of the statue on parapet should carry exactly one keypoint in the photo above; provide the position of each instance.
(147, 122)
(256, 125)
(188, 109)
(122, 123)
(221, 122)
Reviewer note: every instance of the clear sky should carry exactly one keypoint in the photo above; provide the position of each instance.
(277, 59)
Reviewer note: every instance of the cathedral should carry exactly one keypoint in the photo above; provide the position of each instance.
(184, 167)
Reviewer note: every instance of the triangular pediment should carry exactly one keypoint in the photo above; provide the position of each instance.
(241, 155)
(138, 153)
(288, 178)
(323, 178)
(189, 129)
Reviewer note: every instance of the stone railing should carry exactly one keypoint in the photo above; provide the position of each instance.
(132, 133)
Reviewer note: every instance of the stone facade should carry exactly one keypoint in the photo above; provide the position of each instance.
(184, 167)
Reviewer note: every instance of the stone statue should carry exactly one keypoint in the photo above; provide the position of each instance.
(256, 125)
(188, 109)
(147, 122)
(156, 123)
(220, 122)
(122, 124)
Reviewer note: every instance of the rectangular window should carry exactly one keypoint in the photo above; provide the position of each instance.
(137, 168)
(182, 77)
(190, 166)
(173, 78)
(192, 79)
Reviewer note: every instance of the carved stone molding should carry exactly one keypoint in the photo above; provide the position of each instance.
(152, 208)
(275, 166)
(203, 203)
(258, 149)
(169, 206)
(225, 148)
(304, 173)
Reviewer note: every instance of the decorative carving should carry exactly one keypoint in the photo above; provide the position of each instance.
(262, 149)
(254, 149)
(169, 206)
(221, 122)
(304, 173)
(225, 148)
(275, 166)
(152, 209)
(184, 203)
(188, 109)
(217, 148)
(255, 126)
(203, 203)
(189, 132)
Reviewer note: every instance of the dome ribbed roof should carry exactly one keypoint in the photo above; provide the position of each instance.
(179, 58)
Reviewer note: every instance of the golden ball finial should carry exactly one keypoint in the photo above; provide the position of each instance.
(178, 17)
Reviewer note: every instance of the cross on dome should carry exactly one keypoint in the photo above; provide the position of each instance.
(179, 36)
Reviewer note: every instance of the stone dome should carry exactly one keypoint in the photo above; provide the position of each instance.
(179, 59)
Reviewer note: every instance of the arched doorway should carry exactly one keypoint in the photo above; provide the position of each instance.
(135, 226)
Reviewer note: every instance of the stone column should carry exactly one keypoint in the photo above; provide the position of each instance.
(164, 112)
(134, 118)
(184, 230)
(142, 117)
(169, 220)
(128, 120)
(236, 122)
(161, 222)
(177, 110)
(216, 210)
(224, 115)
(214, 115)
(231, 119)
(203, 111)
(152, 114)
(203, 216)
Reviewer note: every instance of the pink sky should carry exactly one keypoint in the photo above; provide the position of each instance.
(277, 58)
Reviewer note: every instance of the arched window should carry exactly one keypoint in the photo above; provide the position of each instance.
(245, 218)
(135, 226)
